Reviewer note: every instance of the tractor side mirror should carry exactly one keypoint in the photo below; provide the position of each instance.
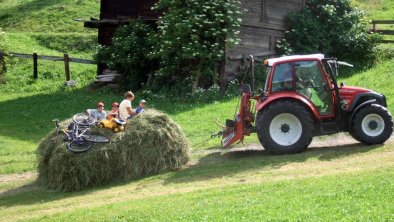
(262, 93)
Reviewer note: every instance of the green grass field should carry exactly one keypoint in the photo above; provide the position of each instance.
(350, 182)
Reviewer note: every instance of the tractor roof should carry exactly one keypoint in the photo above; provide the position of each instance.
(271, 62)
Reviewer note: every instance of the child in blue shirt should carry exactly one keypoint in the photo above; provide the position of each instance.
(141, 107)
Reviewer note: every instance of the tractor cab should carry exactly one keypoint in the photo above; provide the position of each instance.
(301, 99)
(301, 76)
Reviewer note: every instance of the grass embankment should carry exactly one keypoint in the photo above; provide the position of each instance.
(349, 182)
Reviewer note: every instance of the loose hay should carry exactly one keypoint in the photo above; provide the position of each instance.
(151, 143)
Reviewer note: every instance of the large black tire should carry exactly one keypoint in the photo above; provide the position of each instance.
(81, 147)
(372, 124)
(285, 127)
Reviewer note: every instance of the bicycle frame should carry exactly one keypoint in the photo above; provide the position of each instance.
(75, 133)
(77, 137)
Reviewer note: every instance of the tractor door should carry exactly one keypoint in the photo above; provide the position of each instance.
(310, 82)
(305, 78)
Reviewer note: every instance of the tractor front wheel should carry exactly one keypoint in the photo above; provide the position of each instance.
(285, 127)
(372, 125)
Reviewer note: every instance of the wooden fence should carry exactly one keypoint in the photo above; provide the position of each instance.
(375, 29)
(35, 57)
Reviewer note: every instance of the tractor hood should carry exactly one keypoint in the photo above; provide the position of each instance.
(352, 95)
(352, 90)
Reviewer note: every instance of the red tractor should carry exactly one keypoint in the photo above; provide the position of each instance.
(301, 99)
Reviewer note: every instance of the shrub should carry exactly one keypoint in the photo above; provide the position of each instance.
(128, 54)
(331, 27)
(151, 143)
(192, 38)
(3, 50)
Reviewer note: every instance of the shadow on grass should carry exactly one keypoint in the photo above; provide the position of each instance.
(219, 164)
(30, 194)
(210, 166)
(30, 118)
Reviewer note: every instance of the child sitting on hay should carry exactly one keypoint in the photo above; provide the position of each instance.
(141, 107)
(114, 111)
(97, 114)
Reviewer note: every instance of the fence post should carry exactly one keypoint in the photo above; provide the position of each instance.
(3, 67)
(374, 26)
(35, 66)
(67, 67)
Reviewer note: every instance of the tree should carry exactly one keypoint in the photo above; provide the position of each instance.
(128, 54)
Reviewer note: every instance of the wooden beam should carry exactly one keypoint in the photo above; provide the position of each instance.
(83, 61)
(35, 66)
(267, 53)
(264, 13)
(382, 21)
(51, 58)
(67, 67)
(385, 32)
(387, 41)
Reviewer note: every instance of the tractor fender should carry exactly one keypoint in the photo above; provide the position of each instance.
(366, 103)
(379, 98)
(289, 96)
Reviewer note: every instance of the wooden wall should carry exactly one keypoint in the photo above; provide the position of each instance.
(262, 25)
(114, 9)
(122, 10)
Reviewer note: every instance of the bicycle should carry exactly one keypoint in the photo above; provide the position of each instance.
(77, 133)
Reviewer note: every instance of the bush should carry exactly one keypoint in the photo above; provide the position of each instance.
(128, 54)
(331, 27)
(184, 53)
(192, 38)
(3, 50)
(151, 143)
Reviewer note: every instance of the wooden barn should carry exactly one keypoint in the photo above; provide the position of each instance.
(263, 23)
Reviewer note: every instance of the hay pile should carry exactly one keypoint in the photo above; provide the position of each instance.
(151, 143)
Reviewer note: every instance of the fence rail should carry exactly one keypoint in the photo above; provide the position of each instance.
(375, 29)
(65, 58)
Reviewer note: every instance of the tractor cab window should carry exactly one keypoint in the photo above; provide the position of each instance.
(283, 78)
(310, 83)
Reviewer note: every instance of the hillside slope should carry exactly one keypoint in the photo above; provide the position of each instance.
(46, 15)
(327, 183)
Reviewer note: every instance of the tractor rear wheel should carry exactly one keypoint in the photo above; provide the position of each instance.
(285, 127)
(372, 125)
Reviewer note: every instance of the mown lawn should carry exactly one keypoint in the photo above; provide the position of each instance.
(334, 183)
(350, 197)
(347, 182)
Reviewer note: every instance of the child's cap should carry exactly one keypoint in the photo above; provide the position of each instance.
(143, 101)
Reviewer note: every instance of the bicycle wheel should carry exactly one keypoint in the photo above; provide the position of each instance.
(83, 119)
(79, 147)
(96, 138)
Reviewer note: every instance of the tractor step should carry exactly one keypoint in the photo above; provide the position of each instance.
(328, 127)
